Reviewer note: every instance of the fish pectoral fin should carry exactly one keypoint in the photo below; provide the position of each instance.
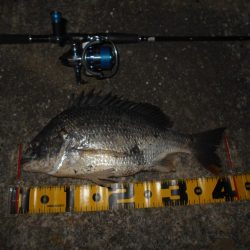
(166, 163)
(102, 178)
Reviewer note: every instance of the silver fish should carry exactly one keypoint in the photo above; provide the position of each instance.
(104, 136)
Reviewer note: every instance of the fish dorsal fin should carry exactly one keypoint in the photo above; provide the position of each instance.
(153, 113)
(146, 110)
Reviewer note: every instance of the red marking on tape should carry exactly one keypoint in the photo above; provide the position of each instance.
(228, 154)
(230, 163)
(19, 162)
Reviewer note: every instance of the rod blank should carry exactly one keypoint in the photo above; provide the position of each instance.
(114, 37)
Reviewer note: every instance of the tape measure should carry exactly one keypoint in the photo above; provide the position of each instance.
(81, 198)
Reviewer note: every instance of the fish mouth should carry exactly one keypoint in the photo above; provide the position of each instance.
(27, 158)
(27, 162)
(31, 166)
(35, 164)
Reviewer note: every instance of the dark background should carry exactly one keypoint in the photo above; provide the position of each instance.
(199, 85)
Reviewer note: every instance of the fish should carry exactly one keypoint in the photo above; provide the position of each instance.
(104, 136)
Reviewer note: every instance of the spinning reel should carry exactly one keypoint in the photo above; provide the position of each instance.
(96, 54)
(97, 57)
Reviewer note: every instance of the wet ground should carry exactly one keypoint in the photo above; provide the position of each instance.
(199, 85)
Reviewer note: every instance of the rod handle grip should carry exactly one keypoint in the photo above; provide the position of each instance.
(14, 38)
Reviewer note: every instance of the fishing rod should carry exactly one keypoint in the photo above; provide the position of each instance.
(97, 54)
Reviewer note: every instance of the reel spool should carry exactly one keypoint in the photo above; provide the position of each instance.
(98, 57)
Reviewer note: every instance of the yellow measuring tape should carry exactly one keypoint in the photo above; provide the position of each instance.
(60, 199)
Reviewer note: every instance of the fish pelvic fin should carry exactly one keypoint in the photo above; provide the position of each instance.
(205, 145)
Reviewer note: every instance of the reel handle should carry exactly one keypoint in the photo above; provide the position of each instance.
(57, 26)
(56, 21)
(56, 37)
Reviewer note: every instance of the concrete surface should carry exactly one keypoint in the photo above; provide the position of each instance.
(199, 85)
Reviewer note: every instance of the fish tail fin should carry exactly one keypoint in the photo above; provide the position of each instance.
(205, 145)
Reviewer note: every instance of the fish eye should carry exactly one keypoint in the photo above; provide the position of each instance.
(33, 145)
(65, 137)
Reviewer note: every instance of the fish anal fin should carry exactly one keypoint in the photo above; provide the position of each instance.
(166, 163)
